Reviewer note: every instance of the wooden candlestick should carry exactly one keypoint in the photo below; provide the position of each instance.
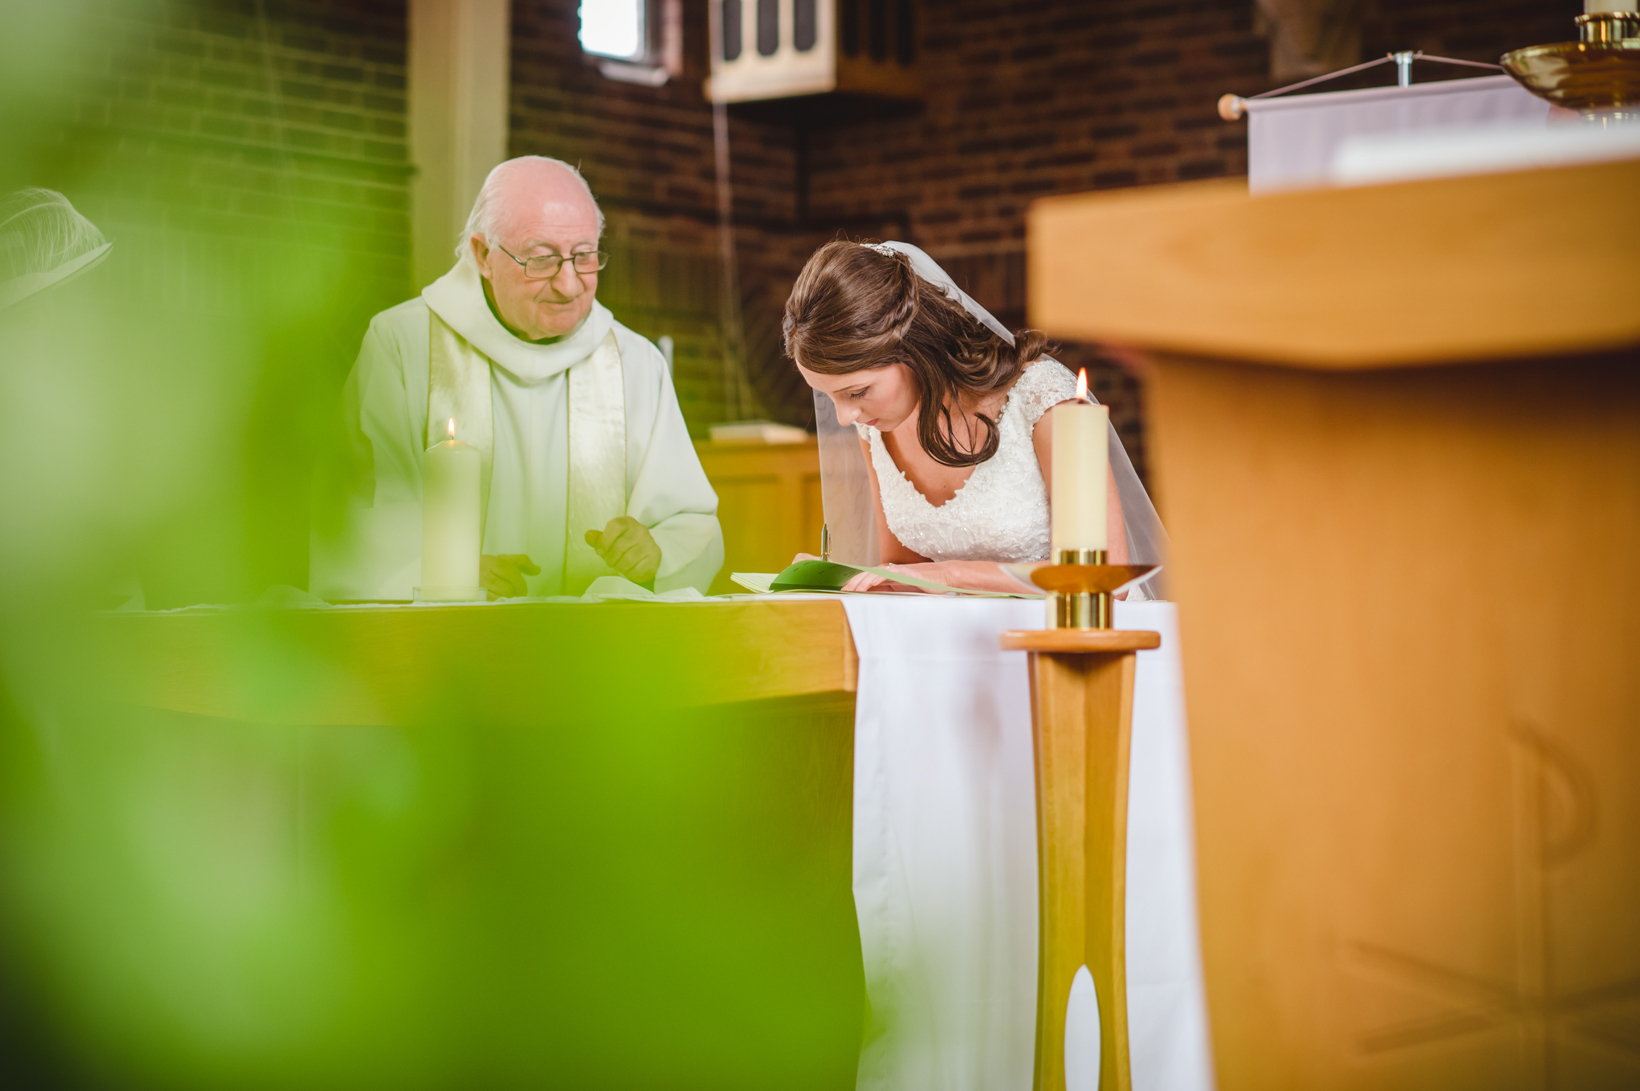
(1081, 718)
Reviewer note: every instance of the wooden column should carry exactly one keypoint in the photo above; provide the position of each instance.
(458, 120)
(1081, 716)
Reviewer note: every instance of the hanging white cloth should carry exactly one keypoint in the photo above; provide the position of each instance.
(1292, 141)
(369, 546)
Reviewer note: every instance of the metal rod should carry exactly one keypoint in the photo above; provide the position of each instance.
(1403, 74)
(1319, 79)
(1403, 68)
(1422, 56)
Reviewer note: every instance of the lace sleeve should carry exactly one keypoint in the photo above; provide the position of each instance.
(1044, 385)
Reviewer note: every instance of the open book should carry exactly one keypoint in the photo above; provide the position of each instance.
(830, 576)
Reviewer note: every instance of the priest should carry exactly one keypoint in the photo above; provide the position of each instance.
(586, 466)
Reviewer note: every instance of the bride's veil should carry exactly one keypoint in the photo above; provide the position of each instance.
(845, 488)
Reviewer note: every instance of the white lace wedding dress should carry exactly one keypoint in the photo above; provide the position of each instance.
(1001, 512)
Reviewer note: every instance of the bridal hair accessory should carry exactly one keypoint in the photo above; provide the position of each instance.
(929, 270)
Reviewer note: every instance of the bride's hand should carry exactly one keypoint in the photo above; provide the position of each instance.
(870, 581)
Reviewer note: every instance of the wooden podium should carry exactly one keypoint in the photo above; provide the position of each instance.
(1395, 434)
(1081, 720)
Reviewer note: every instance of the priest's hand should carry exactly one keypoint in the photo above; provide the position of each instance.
(627, 546)
(503, 576)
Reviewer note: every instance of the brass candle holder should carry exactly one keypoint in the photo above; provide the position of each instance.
(1598, 75)
(1080, 586)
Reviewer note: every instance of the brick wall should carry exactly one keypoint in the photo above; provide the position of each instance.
(1467, 31)
(1021, 100)
(648, 155)
(248, 158)
(272, 134)
(1033, 99)
(278, 124)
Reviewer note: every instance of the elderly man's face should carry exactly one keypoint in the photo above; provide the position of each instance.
(547, 215)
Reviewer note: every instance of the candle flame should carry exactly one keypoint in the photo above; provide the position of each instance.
(1082, 385)
(452, 428)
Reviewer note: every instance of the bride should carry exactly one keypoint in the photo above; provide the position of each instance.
(951, 414)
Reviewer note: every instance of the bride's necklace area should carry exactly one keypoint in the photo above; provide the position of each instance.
(937, 482)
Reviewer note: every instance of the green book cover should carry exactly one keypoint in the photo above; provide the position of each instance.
(830, 576)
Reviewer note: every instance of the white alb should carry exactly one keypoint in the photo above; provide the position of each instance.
(1001, 512)
(377, 553)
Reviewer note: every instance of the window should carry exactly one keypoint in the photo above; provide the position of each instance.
(614, 28)
(634, 41)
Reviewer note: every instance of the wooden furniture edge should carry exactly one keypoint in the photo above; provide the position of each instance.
(1473, 268)
(180, 662)
(1080, 641)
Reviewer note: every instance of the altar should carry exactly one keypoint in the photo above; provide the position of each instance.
(686, 848)
(599, 844)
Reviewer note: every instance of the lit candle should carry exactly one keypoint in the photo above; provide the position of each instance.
(1081, 469)
(449, 521)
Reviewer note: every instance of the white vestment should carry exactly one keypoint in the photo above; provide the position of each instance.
(367, 532)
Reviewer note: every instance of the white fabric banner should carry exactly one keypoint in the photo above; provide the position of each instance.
(1291, 141)
(945, 867)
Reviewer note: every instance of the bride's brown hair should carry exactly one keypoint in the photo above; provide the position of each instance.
(854, 307)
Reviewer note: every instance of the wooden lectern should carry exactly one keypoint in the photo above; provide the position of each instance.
(1081, 719)
(1395, 434)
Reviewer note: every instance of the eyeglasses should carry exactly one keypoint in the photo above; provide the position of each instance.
(546, 266)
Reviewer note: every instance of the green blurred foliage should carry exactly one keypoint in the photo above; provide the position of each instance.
(611, 891)
(608, 893)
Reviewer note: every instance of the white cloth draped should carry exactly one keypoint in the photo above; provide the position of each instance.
(1292, 141)
(945, 867)
(370, 545)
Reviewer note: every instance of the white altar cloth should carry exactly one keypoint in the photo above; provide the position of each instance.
(945, 865)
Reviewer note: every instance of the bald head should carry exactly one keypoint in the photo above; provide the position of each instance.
(533, 207)
(530, 187)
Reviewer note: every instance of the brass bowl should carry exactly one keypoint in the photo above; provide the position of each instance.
(1583, 76)
(1072, 579)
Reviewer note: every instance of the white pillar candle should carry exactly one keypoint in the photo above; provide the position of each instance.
(1081, 469)
(449, 521)
(1595, 7)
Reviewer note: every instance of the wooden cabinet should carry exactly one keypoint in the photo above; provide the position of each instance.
(768, 503)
